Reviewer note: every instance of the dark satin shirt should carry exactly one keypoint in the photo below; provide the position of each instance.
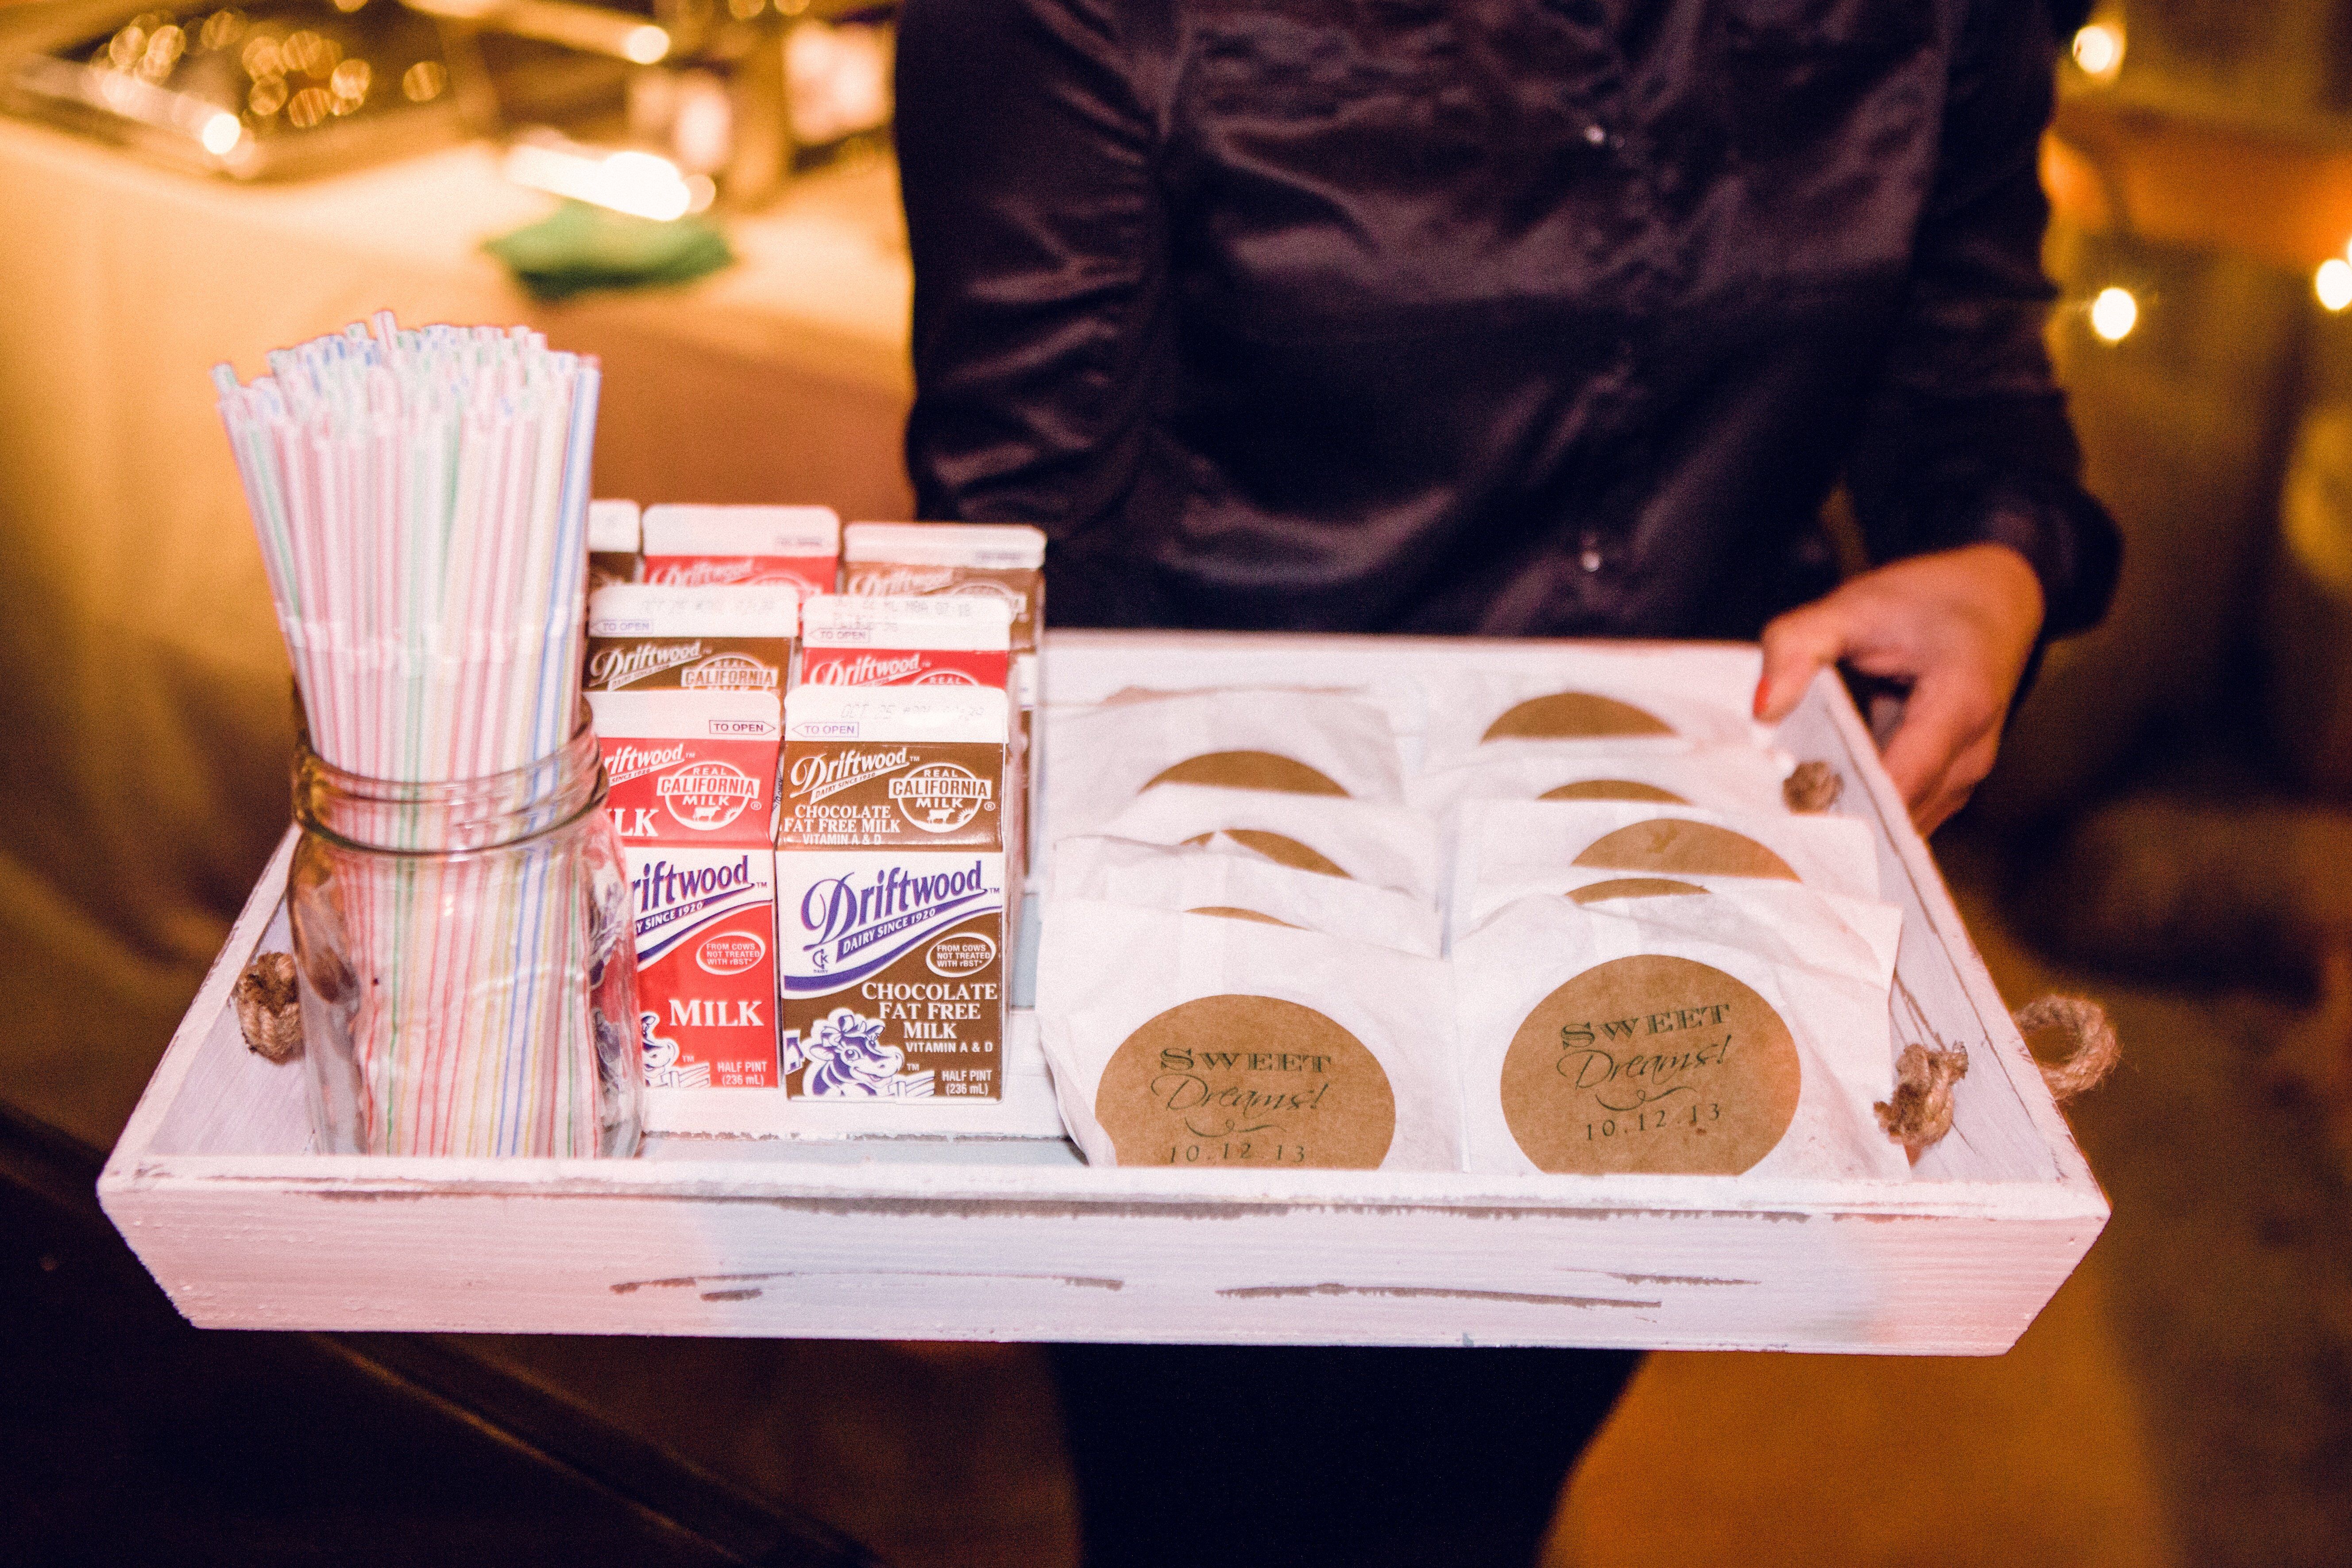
(1501, 316)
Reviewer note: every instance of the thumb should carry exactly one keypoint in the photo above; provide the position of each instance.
(1796, 646)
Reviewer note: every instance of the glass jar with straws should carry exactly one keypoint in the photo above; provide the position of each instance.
(466, 976)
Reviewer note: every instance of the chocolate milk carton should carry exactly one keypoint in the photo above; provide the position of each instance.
(644, 638)
(966, 559)
(693, 546)
(891, 917)
(692, 780)
(614, 542)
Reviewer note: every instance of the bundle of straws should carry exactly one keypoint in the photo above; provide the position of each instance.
(421, 500)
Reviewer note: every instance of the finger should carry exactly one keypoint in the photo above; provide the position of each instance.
(1942, 720)
(1959, 784)
(1797, 646)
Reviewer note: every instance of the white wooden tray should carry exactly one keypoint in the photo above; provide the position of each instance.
(989, 1226)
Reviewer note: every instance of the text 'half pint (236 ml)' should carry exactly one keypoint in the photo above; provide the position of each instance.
(694, 546)
(1199, 1041)
(647, 638)
(1629, 1036)
(692, 778)
(891, 922)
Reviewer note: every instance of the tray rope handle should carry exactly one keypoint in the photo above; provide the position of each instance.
(1919, 1113)
(268, 1009)
(2092, 1048)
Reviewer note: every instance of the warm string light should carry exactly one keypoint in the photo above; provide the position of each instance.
(2114, 314)
(2333, 283)
(2099, 51)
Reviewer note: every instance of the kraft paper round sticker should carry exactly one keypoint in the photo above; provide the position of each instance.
(1245, 1080)
(1651, 1064)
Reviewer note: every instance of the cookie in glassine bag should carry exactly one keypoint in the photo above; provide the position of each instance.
(1200, 1042)
(1319, 743)
(1785, 922)
(1508, 849)
(1715, 778)
(1623, 703)
(1197, 879)
(1596, 1044)
(1379, 846)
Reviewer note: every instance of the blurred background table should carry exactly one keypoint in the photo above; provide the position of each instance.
(150, 724)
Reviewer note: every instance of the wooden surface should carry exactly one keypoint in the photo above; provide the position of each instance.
(1006, 1237)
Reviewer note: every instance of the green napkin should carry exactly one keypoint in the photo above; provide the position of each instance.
(579, 247)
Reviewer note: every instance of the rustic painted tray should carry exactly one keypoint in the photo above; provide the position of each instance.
(982, 1223)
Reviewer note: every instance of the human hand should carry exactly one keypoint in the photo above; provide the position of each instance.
(1957, 626)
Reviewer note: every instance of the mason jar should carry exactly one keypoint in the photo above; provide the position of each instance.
(465, 960)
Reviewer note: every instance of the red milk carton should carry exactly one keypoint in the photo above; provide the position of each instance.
(692, 775)
(706, 982)
(852, 640)
(691, 546)
(690, 768)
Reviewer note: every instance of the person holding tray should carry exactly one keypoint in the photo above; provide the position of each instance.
(1558, 318)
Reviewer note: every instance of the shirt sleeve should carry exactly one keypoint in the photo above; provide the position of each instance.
(1965, 438)
(1026, 155)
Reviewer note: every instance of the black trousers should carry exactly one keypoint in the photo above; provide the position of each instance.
(1295, 1458)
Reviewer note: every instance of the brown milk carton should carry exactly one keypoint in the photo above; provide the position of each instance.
(693, 546)
(891, 914)
(644, 638)
(692, 791)
(1003, 560)
(614, 540)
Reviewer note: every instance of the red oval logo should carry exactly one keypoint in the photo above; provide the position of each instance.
(730, 951)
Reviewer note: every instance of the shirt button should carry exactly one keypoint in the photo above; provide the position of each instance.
(1596, 134)
(1591, 558)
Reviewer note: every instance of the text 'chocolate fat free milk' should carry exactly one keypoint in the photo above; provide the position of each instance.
(891, 909)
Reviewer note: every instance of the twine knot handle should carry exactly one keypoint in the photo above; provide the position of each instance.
(1920, 1111)
(269, 1011)
(2092, 1048)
